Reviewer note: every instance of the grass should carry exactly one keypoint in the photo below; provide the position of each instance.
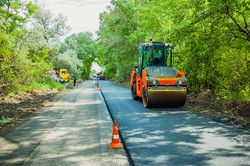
(239, 97)
(4, 121)
(38, 85)
(9, 95)
(45, 85)
(54, 84)
(70, 81)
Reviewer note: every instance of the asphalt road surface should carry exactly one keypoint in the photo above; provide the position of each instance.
(76, 130)
(173, 136)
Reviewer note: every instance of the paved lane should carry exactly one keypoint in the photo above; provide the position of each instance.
(174, 136)
(76, 130)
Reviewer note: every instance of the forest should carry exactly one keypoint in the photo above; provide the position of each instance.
(211, 41)
(30, 45)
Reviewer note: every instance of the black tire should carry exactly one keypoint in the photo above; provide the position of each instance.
(145, 100)
(133, 92)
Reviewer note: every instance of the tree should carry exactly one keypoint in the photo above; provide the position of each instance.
(25, 53)
(52, 27)
(45, 33)
(14, 14)
(211, 38)
(118, 37)
(85, 47)
(68, 60)
(16, 69)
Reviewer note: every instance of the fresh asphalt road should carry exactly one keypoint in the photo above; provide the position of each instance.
(173, 136)
(76, 130)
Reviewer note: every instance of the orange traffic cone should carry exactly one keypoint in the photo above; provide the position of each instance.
(99, 88)
(115, 143)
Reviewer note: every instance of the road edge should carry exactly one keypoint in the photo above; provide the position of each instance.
(130, 160)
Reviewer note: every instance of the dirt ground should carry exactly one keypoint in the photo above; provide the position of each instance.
(227, 111)
(24, 105)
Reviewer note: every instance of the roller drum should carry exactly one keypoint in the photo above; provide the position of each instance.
(166, 98)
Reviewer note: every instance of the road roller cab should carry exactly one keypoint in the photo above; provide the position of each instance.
(155, 80)
(102, 76)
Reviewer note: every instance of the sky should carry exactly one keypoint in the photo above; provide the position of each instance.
(82, 15)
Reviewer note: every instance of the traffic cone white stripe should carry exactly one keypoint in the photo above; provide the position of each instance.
(115, 136)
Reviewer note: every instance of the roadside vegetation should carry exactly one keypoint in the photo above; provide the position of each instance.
(82, 48)
(211, 40)
(211, 45)
(30, 46)
(25, 52)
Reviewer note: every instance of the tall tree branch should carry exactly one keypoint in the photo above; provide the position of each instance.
(240, 29)
(246, 26)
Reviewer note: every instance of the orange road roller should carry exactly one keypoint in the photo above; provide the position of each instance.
(155, 80)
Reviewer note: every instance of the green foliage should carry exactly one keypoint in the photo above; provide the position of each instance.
(43, 85)
(111, 70)
(93, 71)
(211, 40)
(54, 84)
(119, 37)
(51, 26)
(26, 53)
(15, 13)
(84, 47)
(68, 60)
(16, 69)
(5, 120)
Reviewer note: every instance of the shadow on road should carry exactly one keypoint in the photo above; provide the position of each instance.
(173, 136)
(75, 131)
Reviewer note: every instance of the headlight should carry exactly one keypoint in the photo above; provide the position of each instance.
(181, 82)
(152, 82)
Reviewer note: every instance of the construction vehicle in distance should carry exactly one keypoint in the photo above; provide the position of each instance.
(63, 73)
(102, 76)
(155, 80)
